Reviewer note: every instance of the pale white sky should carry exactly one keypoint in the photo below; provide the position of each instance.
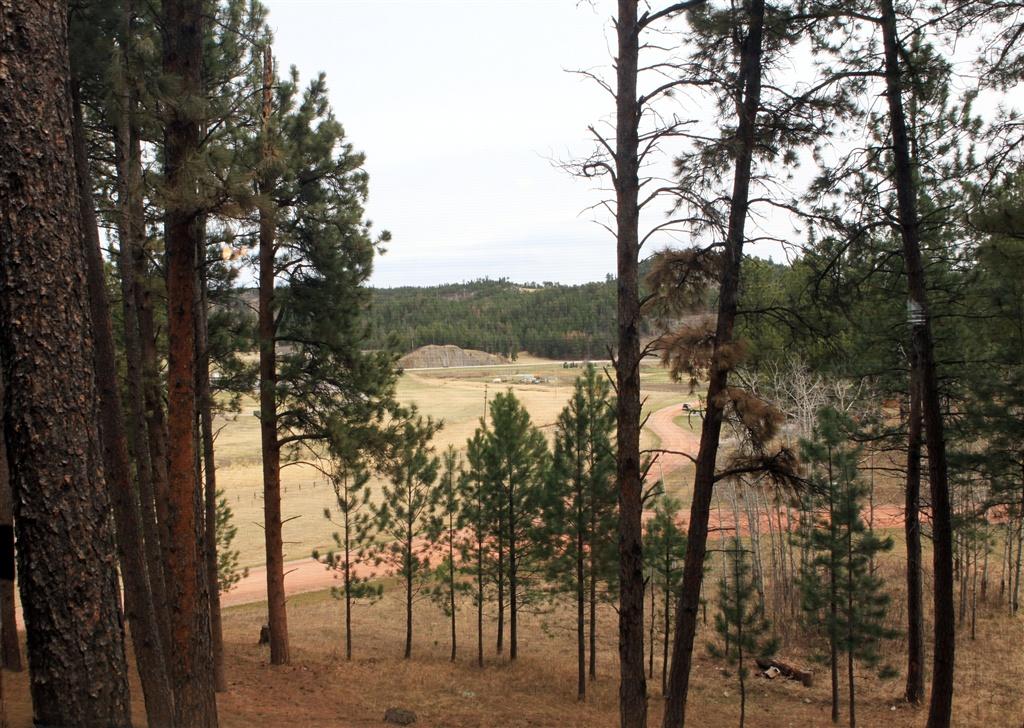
(460, 108)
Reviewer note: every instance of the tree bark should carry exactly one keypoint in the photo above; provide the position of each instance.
(10, 650)
(138, 598)
(912, 528)
(191, 653)
(941, 705)
(277, 616)
(704, 480)
(205, 400)
(632, 683)
(69, 590)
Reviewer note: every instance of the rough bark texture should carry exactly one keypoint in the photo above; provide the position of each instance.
(941, 706)
(10, 649)
(912, 529)
(66, 553)
(138, 598)
(632, 683)
(707, 455)
(277, 616)
(191, 654)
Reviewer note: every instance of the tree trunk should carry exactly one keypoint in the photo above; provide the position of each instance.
(190, 653)
(138, 598)
(704, 480)
(479, 601)
(513, 580)
(941, 706)
(348, 583)
(69, 590)
(277, 616)
(10, 650)
(912, 528)
(451, 563)
(500, 647)
(408, 593)
(632, 684)
(138, 440)
(581, 645)
(205, 401)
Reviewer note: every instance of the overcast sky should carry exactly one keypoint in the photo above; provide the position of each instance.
(460, 108)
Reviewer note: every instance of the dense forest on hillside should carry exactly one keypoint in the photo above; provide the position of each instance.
(547, 319)
(499, 316)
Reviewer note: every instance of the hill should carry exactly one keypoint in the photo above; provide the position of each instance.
(500, 317)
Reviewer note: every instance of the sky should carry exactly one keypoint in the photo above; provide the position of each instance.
(464, 109)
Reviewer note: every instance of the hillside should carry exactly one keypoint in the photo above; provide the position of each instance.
(501, 317)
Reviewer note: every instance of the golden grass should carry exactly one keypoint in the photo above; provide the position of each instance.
(455, 396)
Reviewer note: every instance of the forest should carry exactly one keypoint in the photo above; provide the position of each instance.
(550, 320)
(796, 488)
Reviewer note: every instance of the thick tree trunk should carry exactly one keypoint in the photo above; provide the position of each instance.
(10, 650)
(205, 401)
(707, 455)
(191, 653)
(912, 529)
(632, 684)
(941, 706)
(138, 598)
(277, 616)
(68, 570)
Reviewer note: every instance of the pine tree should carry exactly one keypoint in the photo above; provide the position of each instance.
(476, 522)
(444, 535)
(67, 569)
(404, 513)
(353, 517)
(840, 592)
(740, 621)
(581, 504)
(228, 571)
(316, 255)
(664, 551)
(517, 453)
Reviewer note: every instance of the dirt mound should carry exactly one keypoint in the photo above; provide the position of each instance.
(448, 355)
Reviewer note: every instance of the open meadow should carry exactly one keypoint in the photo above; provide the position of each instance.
(455, 396)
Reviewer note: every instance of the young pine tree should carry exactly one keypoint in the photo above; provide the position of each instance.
(664, 551)
(840, 592)
(476, 523)
(740, 620)
(228, 571)
(581, 508)
(406, 508)
(443, 534)
(517, 453)
(352, 496)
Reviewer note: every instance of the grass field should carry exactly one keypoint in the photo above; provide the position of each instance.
(455, 396)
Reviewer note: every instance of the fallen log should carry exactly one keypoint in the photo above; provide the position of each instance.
(806, 677)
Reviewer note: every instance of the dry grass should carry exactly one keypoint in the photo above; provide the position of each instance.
(320, 688)
(455, 396)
